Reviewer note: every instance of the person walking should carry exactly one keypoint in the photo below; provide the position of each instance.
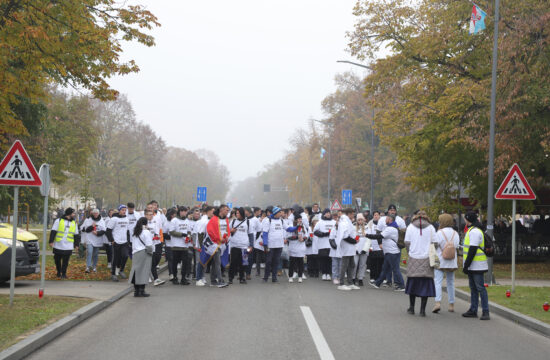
(63, 235)
(362, 251)
(418, 239)
(475, 265)
(142, 253)
(119, 235)
(95, 228)
(296, 249)
(240, 243)
(376, 255)
(154, 225)
(180, 235)
(447, 241)
(348, 243)
(199, 235)
(273, 236)
(322, 231)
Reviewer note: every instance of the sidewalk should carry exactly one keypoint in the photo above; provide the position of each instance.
(97, 290)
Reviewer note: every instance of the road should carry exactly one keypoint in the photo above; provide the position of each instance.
(265, 321)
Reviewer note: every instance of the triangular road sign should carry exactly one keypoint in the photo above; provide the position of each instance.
(17, 169)
(336, 205)
(515, 186)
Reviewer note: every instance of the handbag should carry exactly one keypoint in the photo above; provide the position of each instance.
(434, 259)
(148, 249)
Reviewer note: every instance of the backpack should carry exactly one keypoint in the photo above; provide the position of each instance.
(448, 252)
(489, 248)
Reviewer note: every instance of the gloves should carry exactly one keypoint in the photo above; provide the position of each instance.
(89, 229)
(332, 244)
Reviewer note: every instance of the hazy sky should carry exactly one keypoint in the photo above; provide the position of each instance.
(237, 77)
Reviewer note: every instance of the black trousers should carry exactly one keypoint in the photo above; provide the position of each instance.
(120, 256)
(183, 256)
(325, 262)
(273, 258)
(236, 263)
(169, 260)
(313, 265)
(259, 258)
(376, 260)
(109, 251)
(157, 255)
(61, 258)
(296, 264)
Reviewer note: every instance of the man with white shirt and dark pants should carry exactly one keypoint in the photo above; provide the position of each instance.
(475, 265)
(348, 245)
(119, 235)
(273, 238)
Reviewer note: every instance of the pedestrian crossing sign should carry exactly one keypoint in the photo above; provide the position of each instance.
(515, 186)
(336, 206)
(16, 169)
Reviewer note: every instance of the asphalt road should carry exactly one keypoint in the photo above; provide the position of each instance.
(265, 321)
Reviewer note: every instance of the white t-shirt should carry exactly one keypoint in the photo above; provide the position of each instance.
(132, 220)
(182, 226)
(146, 240)
(441, 238)
(371, 229)
(240, 238)
(95, 241)
(419, 247)
(199, 228)
(275, 232)
(345, 230)
(155, 225)
(297, 248)
(120, 229)
(256, 227)
(361, 231)
(324, 226)
(476, 238)
(389, 242)
(63, 244)
(334, 252)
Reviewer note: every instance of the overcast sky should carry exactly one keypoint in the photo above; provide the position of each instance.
(237, 77)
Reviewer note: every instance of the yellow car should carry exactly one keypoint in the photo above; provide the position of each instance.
(27, 254)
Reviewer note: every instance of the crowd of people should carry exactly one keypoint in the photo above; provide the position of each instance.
(342, 247)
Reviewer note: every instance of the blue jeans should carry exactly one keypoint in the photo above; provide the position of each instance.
(200, 269)
(477, 290)
(391, 266)
(273, 259)
(438, 278)
(336, 264)
(91, 257)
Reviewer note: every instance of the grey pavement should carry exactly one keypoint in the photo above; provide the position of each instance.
(264, 321)
(98, 290)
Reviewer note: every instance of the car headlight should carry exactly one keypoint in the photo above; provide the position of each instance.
(7, 242)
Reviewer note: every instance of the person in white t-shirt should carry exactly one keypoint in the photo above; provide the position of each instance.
(322, 231)
(63, 235)
(348, 242)
(180, 242)
(142, 249)
(241, 243)
(94, 228)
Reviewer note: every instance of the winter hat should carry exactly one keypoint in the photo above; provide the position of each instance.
(421, 214)
(275, 210)
(360, 217)
(121, 206)
(471, 216)
(392, 207)
(327, 210)
(445, 221)
(69, 211)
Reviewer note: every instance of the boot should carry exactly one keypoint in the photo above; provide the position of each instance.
(437, 307)
(143, 293)
(175, 281)
(451, 308)
(423, 303)
(412, 300)
(485, 316)
(137, 291)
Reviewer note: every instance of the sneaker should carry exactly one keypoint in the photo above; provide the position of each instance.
(485, 316)
(179, 266)
(290, 280)
(360, 283)
(469, 314)
(372, 281)
(373, 284)
(354, 287)
(344, 288)
(222, 284)
(242, 281)
(295, 276)
(123, 275)
(114, 278)
(174, 281)
(336, 282)
(386, 284)
(253, 266)
(368, 270)
(87, 271)
(184, 281)
(262, 265)
(108, 265)
(299, 280)
(274, 280)
(158, 282)
(304, 276)
(410, 311)
(328, 277)
(200, 282)
(324, 277)
(399, 288)
(170, 277)
(94, 270)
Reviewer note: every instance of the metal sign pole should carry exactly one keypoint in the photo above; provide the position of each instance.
(44, 244)
(14, 241)
(513, 245)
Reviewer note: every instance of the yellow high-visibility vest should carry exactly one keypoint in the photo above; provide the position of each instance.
(480, 255)
(61, 231)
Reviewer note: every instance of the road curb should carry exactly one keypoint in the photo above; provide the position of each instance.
(509, 314)
(35, 341)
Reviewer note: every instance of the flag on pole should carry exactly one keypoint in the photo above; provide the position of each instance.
(323, 151)
(477, 20)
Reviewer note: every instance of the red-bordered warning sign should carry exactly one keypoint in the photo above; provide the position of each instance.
(336, 206)
(17, 169)
(515, 186)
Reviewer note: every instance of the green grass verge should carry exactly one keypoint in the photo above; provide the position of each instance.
(30, 314)
(526, 300)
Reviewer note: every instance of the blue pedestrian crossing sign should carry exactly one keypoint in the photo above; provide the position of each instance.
(201, 193)
(346, 197)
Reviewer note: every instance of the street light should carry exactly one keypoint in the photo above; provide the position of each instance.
(371, 141)
(328, 124)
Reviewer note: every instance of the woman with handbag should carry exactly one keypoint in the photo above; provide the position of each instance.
(142, 255)
(447, 241)
(420, 283)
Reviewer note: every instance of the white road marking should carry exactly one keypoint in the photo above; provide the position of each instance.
(316, 334)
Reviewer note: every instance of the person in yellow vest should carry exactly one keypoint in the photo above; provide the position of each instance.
(63, 236)
(475, 265)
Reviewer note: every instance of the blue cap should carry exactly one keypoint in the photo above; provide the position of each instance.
(120, 207)
(275, 210)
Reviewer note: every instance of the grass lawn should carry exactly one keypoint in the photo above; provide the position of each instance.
(526, 300)
(30, 314)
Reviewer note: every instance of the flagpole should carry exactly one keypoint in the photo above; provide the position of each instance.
(491, 169)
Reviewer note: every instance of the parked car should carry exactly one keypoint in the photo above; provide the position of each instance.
(27, 252)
